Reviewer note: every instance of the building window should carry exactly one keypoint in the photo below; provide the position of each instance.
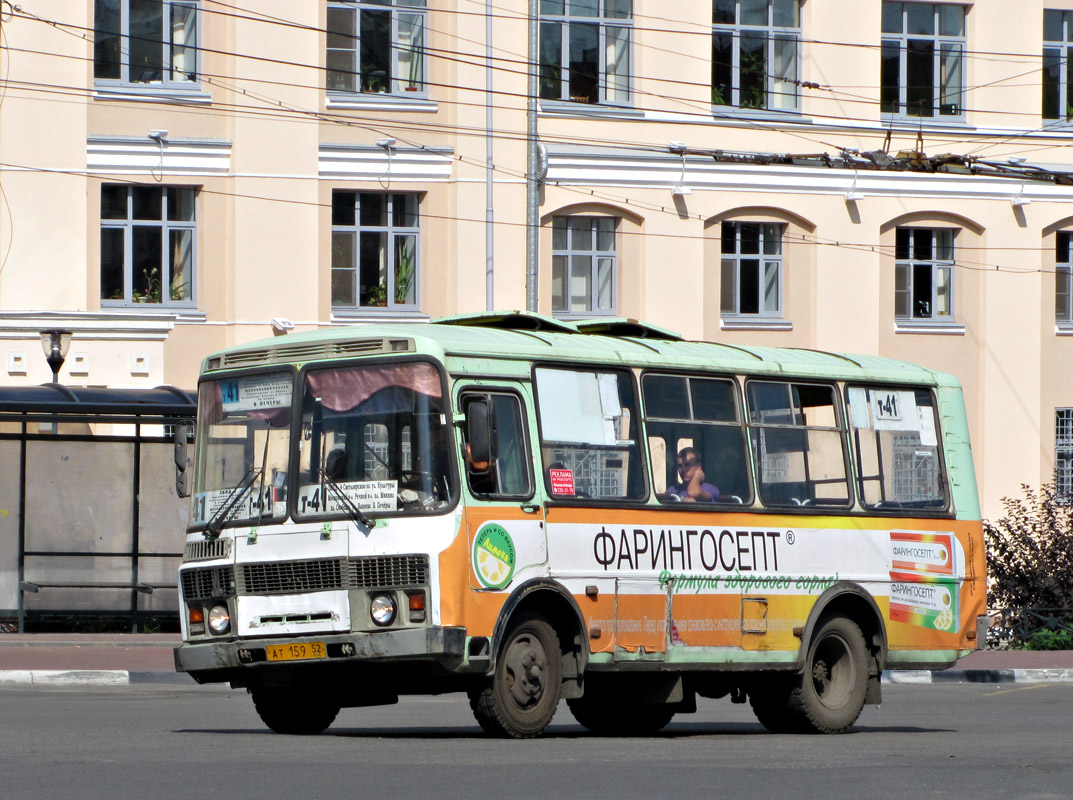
(1063, 270)
(376, 46)
(1057, 64)
(752, 269)
(924, 274)
(923, 56)
(1063, 454)
(374, 250)
(148, 242)
(585, 50)
(583, 265)
(142, 42)
(756, 47)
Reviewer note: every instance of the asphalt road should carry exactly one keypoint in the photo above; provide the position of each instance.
(165, 743)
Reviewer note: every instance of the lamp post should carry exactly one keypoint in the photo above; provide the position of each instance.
(55, 344)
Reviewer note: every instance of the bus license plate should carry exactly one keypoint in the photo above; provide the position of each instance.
(295, 652)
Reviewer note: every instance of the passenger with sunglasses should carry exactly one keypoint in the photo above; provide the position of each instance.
(691, 487)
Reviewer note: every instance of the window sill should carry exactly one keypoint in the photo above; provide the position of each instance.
(1063, 328)
(349, 316)
(923, 326)
(733, 114)
(915, 124)
(566, 316)
(568, 109)
(382, 102)
(183, 314)
(755, 324)
(156, 94)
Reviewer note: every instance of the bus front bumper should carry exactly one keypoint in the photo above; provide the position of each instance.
(210, 661)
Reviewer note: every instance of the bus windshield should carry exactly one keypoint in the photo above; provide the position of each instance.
(373, 438)
(243, 441)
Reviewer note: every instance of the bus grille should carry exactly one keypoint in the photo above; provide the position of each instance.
(206, 582)
(366, 572)
(292, 577)
(389, 572)
(207, 550)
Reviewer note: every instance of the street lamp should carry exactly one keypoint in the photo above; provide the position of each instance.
(55, 343)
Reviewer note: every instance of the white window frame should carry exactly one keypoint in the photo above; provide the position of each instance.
(772, 32)
(346, 47)
(393, 231)
(731, 270)
(902, 39)
(1063, 278)
(167, 226)
(1063, 455)
(169, 18)
(563, 260)
(611, 18)
(1057, 64)
(906, 267)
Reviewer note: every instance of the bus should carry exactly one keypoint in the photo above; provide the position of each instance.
(531, 510)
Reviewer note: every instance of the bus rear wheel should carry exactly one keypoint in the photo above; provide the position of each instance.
(520, 698)
(616, 719)
(835, 680)
(827, 697)
(294, 711)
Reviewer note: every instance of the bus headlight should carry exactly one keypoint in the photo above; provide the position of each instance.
(219, 619)
(382, 609)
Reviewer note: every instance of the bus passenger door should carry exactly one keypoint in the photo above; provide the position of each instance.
(505, 522)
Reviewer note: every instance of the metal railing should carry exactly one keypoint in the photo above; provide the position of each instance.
(1015, 626)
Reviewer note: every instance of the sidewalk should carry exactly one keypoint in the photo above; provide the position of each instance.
(124, 658)
(92, 658)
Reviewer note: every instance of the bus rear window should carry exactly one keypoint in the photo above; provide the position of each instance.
(895, 436)
(588, 428)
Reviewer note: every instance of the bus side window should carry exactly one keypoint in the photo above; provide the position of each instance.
(896, 447)
(692, 418)
(506, 473)
(588, 425)
(798, 445)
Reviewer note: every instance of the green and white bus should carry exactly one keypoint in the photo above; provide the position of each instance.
(529, 510)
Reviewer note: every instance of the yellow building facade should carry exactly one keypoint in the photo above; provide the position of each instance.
(875, 177)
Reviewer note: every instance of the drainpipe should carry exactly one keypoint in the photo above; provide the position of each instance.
(489, 171)
(532, 186)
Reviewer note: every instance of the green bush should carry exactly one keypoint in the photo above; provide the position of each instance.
(1030, 552)
(1049, 640)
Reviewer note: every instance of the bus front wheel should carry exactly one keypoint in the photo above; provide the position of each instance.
(520, 698)
(294, 711)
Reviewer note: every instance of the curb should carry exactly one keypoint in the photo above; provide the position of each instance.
(979, 676)
(90, 677)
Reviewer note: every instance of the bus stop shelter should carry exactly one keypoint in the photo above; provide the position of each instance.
(91, 527)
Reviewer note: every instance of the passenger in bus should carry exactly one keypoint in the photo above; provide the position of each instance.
(336, 465)
(692, 487)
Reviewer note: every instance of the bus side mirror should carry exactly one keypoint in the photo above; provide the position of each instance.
(182, 477)
(479, 431)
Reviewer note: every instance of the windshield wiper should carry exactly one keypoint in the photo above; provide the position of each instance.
(213, 526)
(352, 511)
